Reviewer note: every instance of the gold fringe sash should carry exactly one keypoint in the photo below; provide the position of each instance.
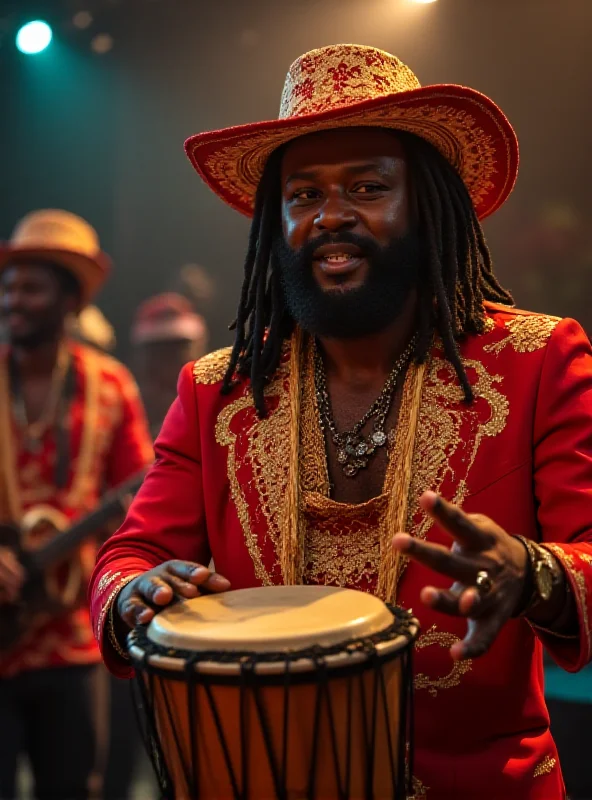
(399, 476)
(292, 547)
(10, 502)
(397, 481)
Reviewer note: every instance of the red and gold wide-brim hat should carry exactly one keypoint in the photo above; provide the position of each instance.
(350, 85)
(62, 238)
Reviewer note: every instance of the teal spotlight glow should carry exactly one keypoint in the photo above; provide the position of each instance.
(33, 37)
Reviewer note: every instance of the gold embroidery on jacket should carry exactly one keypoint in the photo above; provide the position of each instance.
(439, 436)
(459, 668)
(341, 550)
(545, 767)
(258, 457)
(489, 324)
(262, 450)
(420, 791)
(526, 333)
(212, 368)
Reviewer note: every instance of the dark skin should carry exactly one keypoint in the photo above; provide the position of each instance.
(34, 306)
(330, 185)
(357, 180)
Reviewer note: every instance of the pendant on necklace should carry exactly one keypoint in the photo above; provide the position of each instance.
(379, 438)
(342, 456)
(353, 454)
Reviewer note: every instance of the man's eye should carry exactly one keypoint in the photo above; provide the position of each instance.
(305, 194)
(369, 188)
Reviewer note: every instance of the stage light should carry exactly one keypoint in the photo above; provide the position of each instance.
(33, 37)
(424, 2)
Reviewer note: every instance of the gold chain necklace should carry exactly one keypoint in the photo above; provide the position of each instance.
(33, 431)
(354, 450)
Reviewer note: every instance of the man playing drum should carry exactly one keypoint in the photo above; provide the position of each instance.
(378, 368)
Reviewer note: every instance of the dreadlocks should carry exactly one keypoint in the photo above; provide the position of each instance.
(457, 272)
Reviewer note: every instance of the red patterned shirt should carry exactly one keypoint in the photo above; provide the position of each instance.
(108, 443)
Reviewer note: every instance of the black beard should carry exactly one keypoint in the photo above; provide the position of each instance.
(47, 329)
(32, 340)
(393, 273)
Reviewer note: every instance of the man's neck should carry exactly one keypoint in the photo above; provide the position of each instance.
(359, 362)
(39, 360)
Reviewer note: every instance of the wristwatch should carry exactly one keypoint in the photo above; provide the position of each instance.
(545, 574)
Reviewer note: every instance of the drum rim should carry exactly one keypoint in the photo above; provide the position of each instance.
(357, 655)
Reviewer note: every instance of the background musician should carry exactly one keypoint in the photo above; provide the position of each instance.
(71, 425)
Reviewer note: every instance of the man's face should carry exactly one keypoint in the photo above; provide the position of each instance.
(33, 303)
(348, 256)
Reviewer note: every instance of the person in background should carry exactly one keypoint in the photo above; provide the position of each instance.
(71, 425)
(126, 765)
(166, 334)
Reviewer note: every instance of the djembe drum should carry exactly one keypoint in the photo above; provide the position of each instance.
(277, 692)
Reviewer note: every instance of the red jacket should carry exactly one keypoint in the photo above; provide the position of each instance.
(520, 454)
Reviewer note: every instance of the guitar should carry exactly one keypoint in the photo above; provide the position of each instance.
(39, 595)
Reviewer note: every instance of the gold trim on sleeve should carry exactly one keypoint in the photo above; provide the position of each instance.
(546, 766)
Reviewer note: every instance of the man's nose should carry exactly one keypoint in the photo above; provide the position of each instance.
(336, 214)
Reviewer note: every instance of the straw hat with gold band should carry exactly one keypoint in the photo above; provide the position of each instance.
(350, 85)
(62, 238)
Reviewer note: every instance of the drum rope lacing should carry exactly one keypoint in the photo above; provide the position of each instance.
(401, 625)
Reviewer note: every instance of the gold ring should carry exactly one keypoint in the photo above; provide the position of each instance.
(483, 582)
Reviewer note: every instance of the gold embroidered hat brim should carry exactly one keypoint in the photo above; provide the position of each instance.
(467, 127)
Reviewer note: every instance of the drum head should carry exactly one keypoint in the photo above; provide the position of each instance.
(270, 619)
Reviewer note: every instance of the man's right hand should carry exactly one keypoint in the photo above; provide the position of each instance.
(138, 601)
(12, 576)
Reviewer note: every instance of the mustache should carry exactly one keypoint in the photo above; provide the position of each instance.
(304, 254)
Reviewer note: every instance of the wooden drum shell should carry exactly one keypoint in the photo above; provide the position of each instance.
(329, 719)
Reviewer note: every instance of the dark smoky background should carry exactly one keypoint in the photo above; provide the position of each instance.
(96, 123)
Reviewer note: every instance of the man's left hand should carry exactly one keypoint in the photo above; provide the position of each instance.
(480, 546)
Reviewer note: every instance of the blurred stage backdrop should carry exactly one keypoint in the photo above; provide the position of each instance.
(96, 122)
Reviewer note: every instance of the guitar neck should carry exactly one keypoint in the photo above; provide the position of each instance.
(66, 542)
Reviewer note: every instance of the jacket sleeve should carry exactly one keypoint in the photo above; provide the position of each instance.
(563, 478)
(165, 520)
